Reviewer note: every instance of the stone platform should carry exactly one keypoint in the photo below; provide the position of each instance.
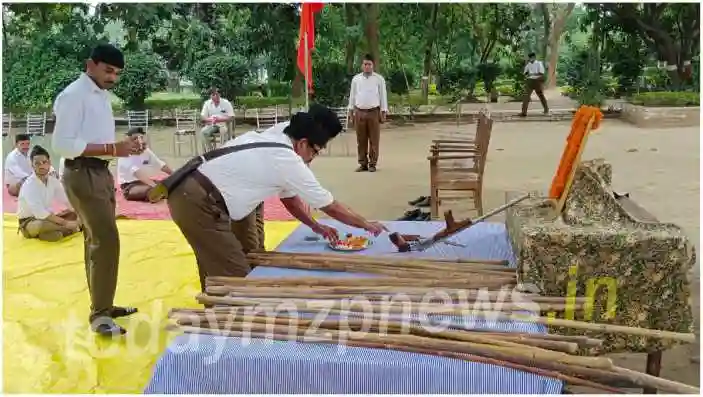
(607, 247)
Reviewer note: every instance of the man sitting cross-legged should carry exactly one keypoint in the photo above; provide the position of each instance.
(34, 206)
(135, 172)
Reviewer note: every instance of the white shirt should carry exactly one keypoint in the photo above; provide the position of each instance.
(36, 198)
(83, 115)
(224, 108)
(247, 178)
(17, 167)
(128, 166)
(534, 69)
(368, 92)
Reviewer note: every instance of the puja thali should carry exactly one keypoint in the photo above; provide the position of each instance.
(351, 243)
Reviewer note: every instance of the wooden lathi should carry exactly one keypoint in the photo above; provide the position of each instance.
(526, 352)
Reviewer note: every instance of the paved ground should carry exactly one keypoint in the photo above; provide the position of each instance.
(659, 168)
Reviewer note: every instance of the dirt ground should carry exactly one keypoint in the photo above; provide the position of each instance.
(659, 168)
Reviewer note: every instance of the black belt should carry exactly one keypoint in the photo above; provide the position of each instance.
(86, 162)
(369, 110)
(210, 189)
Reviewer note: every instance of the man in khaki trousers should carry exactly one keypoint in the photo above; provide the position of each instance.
(368, 107)
(84, 135)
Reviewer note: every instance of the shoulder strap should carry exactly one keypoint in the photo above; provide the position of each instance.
(238, 148)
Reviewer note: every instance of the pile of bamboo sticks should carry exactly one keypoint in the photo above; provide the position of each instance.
(366, 312)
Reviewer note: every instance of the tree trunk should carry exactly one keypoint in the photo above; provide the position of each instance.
(372, 34)
(427, 64)
(554, 40)
(547, 21)
(350, 51)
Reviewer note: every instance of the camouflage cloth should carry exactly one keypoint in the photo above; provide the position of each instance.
(597, 244)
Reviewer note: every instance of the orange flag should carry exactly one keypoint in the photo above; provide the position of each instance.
(307, 28)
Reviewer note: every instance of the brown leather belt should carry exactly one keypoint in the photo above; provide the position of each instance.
(369, 110)
(210, 189)
(86, 162)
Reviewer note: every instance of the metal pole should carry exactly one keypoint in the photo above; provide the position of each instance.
(307, 77)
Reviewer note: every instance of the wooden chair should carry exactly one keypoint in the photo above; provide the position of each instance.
(36, 124)
(186, 131)
(459, 179)
(342, 138)
(6, 124)
(266, 118)
(139, 118)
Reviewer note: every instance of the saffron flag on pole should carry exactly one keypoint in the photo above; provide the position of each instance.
(307, 34)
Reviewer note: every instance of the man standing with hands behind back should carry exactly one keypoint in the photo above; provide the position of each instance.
(368, 107)
(84, 135)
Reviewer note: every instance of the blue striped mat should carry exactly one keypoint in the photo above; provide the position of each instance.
(204, 364)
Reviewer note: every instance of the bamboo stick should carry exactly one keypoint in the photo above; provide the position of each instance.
(447, 354)
(456, 309)
(378, 326)
(426, 281)
(517, 354)
(382, 258)
(503, 295)
(654, 382)
(435, 267)
(379, 269)
(336, 281)
(500, 316)
(582, 341)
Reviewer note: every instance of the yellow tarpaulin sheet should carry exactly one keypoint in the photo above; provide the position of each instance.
(48, 347)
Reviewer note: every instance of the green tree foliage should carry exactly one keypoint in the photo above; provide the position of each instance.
(142, 76)
(226, 72)
(331, 84)
(399, 81)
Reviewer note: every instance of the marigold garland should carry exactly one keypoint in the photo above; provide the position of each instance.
(579, 130)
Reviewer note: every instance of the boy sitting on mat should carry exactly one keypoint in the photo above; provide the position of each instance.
(135, 172)
(37, 219)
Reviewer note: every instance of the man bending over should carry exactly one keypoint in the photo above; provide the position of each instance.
(135, 172)
(34, 207)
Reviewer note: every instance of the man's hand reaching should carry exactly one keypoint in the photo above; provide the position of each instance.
(328, 232)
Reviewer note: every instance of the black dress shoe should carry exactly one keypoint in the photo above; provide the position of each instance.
(362, 168)
(418, 200)
(423, 203)
(117, 311)
(410, 215)
(105, 326)
(372, 168)
(425, 216)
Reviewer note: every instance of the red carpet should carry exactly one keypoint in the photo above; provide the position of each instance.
(273, 209)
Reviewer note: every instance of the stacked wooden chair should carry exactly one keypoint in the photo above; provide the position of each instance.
(457, 167)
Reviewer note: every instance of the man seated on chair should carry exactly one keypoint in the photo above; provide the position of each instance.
(18, 167)
(216, 114)
(135, 172)
(41, 189)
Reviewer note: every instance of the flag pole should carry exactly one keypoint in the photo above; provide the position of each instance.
(307, 69)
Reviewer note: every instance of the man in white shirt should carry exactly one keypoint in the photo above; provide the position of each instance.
(18, 167)
(534, 74)
(220, 196)
(368, 107)
(216, 114)
(84, 135)
(37, 196)
(135, 172)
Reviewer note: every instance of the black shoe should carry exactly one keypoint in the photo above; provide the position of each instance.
(105, 326)
(418, 200)
(372, 168)
(424, 217)
(362, 168)
(117, 311)
(424, 203)
(522, 115)
(410, 215)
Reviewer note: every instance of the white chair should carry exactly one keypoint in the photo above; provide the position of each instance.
(138, 118)
(186, 131)
(266, 118)
(36, 124)
(6, 124)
